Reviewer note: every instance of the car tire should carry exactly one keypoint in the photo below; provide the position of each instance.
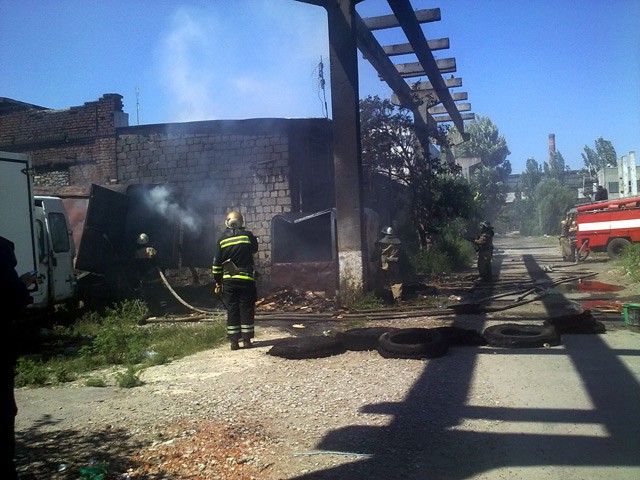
(297, 348)
(362, 339)
(417, 343)
(616, 246)
(582, 323)
(514, 335)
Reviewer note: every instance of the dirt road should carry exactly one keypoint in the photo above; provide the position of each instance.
(569, 411)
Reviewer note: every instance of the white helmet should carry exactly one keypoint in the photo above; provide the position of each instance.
(142, 239)
(387, 231)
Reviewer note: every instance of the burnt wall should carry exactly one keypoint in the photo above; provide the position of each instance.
(263, 167)
(255, 166)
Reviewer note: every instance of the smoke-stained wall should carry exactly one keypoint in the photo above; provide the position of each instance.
(249, 165)
(263, 167)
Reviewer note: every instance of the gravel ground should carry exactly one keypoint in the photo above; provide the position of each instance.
(478, 412)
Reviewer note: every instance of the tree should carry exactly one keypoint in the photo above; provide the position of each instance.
(531, 177)
(390, 147)
(603, 156)
(524, 206)
(489, 182)
(555, 167)
(485, 143)
(553, 201)
(489, 193)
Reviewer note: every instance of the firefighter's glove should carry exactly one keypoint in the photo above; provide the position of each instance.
(217, 289)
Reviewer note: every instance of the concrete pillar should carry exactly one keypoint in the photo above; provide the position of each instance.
(622, 165)
(345, 108)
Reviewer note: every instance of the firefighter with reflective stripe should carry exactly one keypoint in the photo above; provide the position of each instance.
(233, 273)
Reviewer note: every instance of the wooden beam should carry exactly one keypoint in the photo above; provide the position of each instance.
(390, 21)
(376, 56)
(461, 107)
(404, 13)
(447, 118)
(451, 82)
(406, 48)
(415, 69)
(423, 94)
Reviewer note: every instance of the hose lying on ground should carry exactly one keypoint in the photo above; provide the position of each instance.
(177, 297)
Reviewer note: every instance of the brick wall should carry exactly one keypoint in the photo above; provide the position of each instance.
(262, 167)
(216, 166)
(75, 145)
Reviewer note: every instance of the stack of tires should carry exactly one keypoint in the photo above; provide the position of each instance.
(416, 343)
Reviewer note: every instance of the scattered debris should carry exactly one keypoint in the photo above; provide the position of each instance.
(292, 300)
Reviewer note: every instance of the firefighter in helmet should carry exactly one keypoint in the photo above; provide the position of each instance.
(149, 287)
(390, 250)
(484, 247)
(233, 273)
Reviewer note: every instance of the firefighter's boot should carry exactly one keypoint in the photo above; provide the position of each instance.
(234, 345)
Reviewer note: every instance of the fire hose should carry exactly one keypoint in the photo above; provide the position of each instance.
(177, 297)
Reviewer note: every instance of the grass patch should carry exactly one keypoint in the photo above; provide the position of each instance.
(629, 262)
(115, 337)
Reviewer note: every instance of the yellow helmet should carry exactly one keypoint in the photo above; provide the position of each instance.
(234, 219)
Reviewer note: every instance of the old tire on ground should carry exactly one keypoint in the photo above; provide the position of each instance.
(616, 246)
(578, 323)
(307, 347)
(412, 343)
(360, 339)
(512, 335)
(457, 336)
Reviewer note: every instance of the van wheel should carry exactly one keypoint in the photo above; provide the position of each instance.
(616, 246)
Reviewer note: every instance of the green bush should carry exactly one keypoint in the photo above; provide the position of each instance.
(29, 372)
(95, 382)
(129, 378)
(63, 375)
(120, 339)
(450, 253)
(629, 261)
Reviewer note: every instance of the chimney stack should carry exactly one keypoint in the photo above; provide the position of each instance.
(552, 145)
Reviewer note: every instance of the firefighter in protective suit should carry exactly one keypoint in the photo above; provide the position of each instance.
(390, 249)
(233, 273)
(484, 247)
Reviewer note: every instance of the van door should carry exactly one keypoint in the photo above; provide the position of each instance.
(61, 250)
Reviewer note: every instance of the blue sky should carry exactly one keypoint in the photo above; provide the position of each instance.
(568, 67)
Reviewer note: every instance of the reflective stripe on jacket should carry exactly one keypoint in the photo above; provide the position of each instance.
(237, 246)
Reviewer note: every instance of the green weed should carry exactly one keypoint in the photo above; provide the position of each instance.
(629, 261)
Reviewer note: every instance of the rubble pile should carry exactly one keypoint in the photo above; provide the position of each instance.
(300, 301)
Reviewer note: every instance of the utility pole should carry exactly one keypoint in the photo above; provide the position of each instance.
(138, 105)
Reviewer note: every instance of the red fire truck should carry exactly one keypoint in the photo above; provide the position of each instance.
(608, 226)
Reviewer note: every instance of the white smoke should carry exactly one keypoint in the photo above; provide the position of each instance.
(214, 70)
(160, 201)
